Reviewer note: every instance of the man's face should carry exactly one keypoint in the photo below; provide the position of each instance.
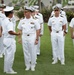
(57, 11)
(11, 14)
(27, 13)
(33, 13)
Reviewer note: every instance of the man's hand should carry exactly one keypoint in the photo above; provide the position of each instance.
(20, 41)
(65, 33)
(72, 36)
(36, 41)
(18, 34)
(40, 35)
(0, 34)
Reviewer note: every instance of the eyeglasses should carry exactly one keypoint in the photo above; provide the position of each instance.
(56, 10)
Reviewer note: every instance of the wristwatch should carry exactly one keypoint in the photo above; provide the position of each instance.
(65, 32)
(36, 39)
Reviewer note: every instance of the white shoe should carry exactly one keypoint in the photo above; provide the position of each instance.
(54, 62)
(11, 72)
(1, 56)
(38, 54)
(32, 68)
(27, 68)
(62, 63)
(35, 62)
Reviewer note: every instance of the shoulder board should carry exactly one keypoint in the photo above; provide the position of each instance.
(31, 22)
(23, 23)
(61, 15)
(10, 20)
(38, 14)
(51, 16)
(35, 18)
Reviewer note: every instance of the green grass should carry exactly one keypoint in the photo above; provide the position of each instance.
(44, 66)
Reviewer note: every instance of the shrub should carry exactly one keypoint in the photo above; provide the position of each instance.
(46, 14)
(16, 7)
(20, 14)
(70, 15)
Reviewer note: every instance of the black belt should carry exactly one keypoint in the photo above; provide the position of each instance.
(57, 31)
(28, 34)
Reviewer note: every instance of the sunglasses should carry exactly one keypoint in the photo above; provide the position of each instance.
(56, 10)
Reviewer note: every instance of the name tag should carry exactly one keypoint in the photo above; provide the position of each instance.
(32, 23)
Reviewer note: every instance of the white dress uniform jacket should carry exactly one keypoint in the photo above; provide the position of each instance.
(62, 13)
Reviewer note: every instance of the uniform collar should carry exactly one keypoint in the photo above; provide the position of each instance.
(9, 19)
(29, 18)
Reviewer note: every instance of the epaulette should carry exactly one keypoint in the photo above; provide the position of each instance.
(51, 16)
(61, 15)
(23, 23)
(32, 23)
(36, 17)
(10, 20)
(38, 14)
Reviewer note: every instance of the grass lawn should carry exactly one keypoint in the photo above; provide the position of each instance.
(44, 66)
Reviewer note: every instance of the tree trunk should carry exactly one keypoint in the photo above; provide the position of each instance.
(2, 1)
(54, 2)
(39, 3)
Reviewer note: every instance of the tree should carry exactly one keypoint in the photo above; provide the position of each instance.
(2, 1)
(59, 1)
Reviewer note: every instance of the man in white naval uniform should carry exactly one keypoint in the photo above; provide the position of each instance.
(9, 40)
(57, 29)
(30, 36)
(63, 14)
(2, 17)
(40, 17)
(72, 29)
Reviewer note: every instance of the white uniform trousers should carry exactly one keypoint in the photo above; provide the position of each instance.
(57, 40)
(1, 45)
(58, 54)
(10, 48)
(38, 47)
(29, 49)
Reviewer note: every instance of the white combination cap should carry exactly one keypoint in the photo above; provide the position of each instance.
(36, 7)
(56, 7)
(27, 8)
(32, 8)
(59, 5)
(8, 8)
